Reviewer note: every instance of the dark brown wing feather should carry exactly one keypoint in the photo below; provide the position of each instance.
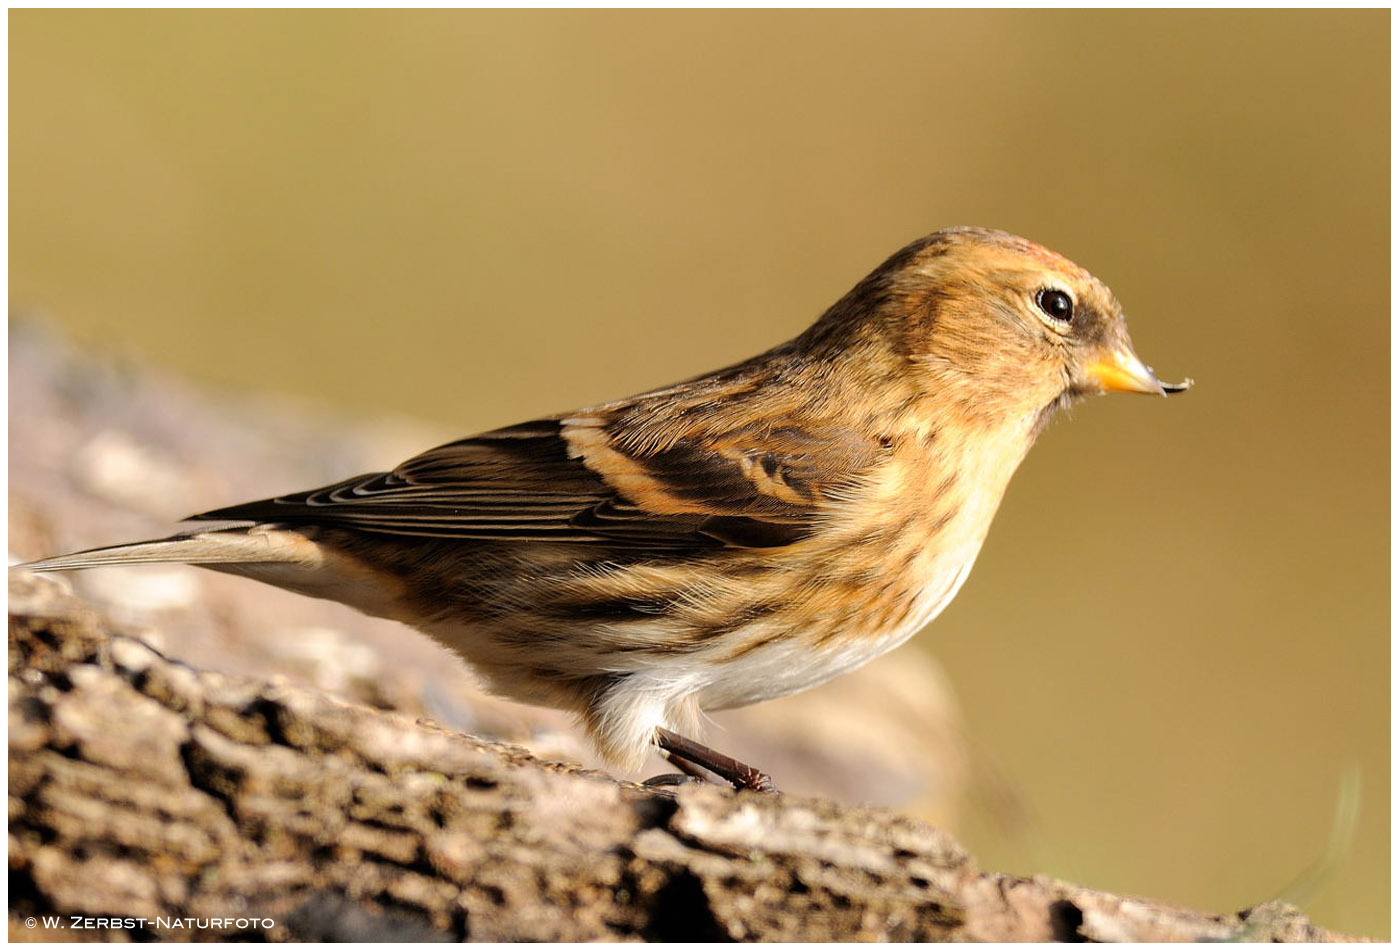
(568, 481)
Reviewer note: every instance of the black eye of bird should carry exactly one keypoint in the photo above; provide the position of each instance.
(1056, 304)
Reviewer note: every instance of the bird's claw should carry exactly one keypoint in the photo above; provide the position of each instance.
(670, 779)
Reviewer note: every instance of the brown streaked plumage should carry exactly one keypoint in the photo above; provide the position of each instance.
(733, 538)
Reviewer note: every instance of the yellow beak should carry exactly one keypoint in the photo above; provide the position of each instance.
(1122, 371)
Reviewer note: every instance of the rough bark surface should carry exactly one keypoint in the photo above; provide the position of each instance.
(141, 788)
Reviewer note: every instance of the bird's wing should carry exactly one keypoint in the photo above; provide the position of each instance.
(581, 479)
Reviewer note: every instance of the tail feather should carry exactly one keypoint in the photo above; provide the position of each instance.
(222, 547)
(277, 556)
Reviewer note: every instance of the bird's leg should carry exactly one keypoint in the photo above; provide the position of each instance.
(685, 753)
(690, 770)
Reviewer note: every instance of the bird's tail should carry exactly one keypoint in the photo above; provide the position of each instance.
(249, 545)
(275, 555)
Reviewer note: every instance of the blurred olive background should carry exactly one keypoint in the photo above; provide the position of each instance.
(1175, 644)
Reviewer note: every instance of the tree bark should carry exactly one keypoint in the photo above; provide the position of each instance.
(187, 804)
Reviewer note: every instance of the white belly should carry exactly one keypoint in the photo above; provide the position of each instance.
(790, 664)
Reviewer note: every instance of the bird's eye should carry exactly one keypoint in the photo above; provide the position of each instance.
(1056, 304)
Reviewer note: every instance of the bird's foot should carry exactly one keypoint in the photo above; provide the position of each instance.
(671, 779)
(692, 757)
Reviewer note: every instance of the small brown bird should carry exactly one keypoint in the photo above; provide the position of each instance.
(727, 540)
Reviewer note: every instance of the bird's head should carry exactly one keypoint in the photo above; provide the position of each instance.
(1000, 325)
